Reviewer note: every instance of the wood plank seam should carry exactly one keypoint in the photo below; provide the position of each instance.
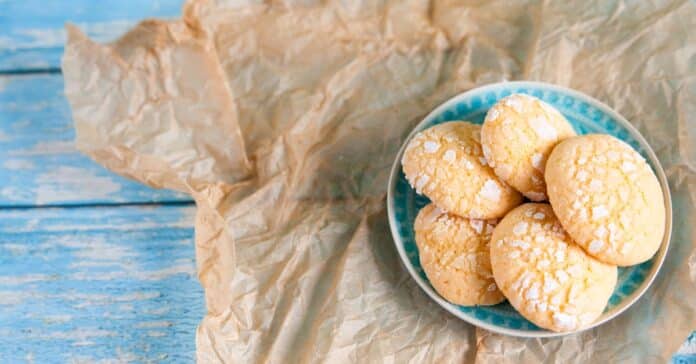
(31, 71)
(103, 204)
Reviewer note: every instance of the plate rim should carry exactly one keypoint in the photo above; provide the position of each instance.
(451, 308)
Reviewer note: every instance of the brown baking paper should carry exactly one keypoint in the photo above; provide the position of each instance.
(283, 118)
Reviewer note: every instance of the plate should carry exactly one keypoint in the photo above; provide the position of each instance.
(587, 116)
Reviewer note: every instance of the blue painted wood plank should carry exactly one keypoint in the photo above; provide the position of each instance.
(112, 284)
(32, 35)
(687, 352)
(38, 161)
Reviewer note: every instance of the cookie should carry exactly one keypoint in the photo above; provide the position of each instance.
(517, 136)
(607, 198)
(454, 253)
(549, 279)
(446, 164)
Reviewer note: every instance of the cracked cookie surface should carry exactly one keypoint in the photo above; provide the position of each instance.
(446, 164)
(547, 278)
(454, 253)
(607, 198)
(517, 136)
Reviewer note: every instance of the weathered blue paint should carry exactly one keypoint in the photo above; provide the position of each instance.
(31, 31)
(687, 352)
(38, 161)
(82, 284)
(102, 283)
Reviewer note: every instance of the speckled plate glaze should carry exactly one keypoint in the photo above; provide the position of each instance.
(587, 115)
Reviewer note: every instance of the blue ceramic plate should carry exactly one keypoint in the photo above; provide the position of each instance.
(587, 115)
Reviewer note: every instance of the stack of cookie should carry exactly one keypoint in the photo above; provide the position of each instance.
(556, 262)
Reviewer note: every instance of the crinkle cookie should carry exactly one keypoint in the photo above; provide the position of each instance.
(446, 164)
(607, 198)
(517, 136)
(454, 254)
(549, 279)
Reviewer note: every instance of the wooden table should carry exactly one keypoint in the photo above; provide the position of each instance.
(93, 267)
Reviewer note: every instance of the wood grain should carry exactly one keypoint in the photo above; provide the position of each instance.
(116, 284)
(39, 164)
(32, 34)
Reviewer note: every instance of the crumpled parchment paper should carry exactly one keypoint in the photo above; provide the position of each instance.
(282, 118)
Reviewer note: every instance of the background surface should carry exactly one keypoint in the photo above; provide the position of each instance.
(93, 267)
